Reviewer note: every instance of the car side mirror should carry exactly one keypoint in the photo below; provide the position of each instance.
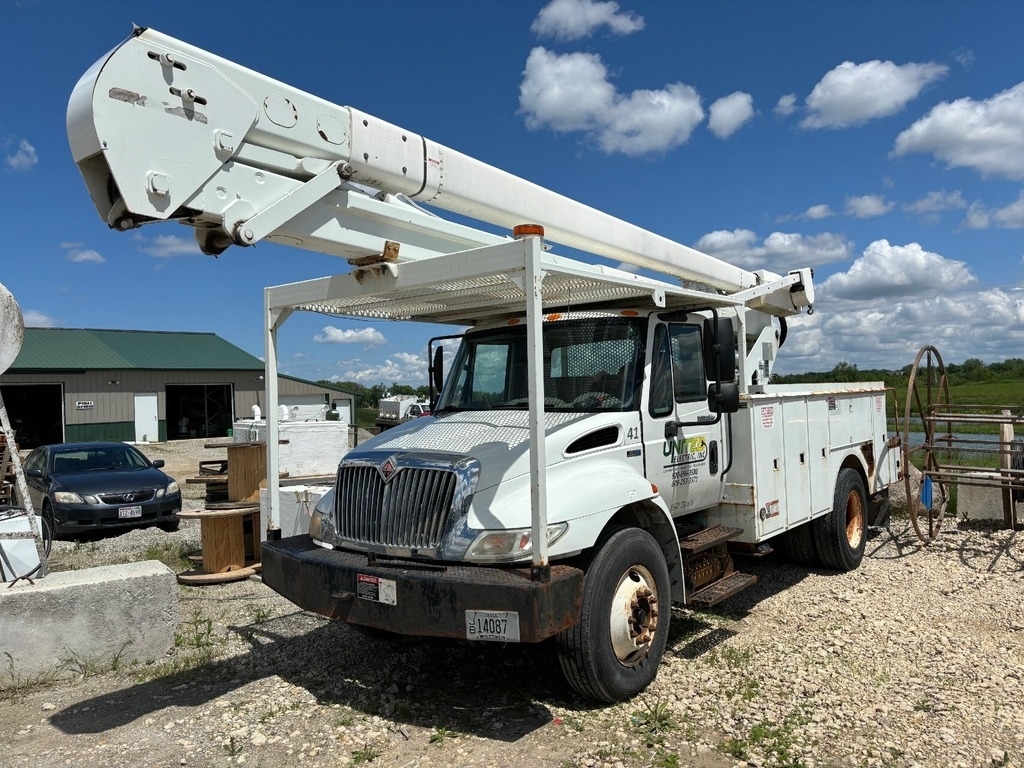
(158, 463)
(34, 473)
(723, 397)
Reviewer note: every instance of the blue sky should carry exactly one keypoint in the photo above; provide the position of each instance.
(881, 143)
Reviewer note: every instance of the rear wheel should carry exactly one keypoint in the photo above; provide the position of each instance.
(613, 652)
(841, 534)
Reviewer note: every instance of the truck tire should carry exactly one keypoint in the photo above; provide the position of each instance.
(613, 652)
(797, 546)
(841, 534)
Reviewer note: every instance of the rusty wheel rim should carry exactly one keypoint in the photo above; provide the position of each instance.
(633, 622)
(854, 520)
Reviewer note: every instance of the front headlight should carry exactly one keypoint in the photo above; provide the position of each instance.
(321, 521)
(510, 545)
(67, 497)
(171, 489)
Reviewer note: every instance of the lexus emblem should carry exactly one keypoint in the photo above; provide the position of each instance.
(388, 469)
(129, 497)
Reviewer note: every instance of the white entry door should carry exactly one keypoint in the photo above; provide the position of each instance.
(147, 426)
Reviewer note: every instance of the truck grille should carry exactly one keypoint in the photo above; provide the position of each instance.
(409, 511)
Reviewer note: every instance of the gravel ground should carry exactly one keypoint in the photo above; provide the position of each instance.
(915, 659)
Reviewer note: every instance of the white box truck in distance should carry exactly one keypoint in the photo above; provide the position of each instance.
(602, 442)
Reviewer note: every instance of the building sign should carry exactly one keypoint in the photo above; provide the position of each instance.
(84, 405)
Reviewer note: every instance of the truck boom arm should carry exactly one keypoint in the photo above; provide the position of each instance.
(164, 130)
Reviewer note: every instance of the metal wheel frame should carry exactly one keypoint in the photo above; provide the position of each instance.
(927, 394)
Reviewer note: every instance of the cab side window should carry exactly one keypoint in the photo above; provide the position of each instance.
(661, 374)
(687, 363)
(677, 368)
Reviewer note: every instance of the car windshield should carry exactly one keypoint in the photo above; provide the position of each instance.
(590, 364)
(97, 459)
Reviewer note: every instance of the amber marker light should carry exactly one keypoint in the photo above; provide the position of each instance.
(524, 230)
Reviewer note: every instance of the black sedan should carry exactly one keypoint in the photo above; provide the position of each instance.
(79, 487)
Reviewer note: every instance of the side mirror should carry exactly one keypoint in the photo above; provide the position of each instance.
(719, 349)
(34, 473)
(723, 397)
(437, 369)
(158, 463)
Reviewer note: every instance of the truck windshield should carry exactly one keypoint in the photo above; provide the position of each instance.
(590, 364)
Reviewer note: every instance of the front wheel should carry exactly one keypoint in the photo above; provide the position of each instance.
(840, 535)
(613, 652)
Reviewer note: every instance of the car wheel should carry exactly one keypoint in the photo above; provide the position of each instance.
(49, 520)
(169, 525)
(613, 653)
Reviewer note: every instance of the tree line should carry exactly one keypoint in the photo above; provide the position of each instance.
(367, 397)
(970, 371)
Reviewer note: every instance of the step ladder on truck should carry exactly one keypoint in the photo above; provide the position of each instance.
(602, 441)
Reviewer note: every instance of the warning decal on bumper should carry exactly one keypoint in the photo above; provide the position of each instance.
(376, 589)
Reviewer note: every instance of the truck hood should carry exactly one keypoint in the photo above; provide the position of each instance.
(499, 440)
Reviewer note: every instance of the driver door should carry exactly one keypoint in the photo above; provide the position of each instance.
(687, 467)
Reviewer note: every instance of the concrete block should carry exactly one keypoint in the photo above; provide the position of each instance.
(129, 612)
(975, 502)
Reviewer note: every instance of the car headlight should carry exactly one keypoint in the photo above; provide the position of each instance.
(170, 490)
(67, 497)
(513, 544)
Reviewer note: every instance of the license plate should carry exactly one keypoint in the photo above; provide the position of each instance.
(124, 512)
(499, 626)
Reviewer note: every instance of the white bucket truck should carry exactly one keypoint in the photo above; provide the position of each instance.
(398, 409)
(602, 443)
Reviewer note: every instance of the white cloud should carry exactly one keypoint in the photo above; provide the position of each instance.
(815, 212)
(729, 113)
(867, 206)
(1012, 216)
(885, 331)
(331, 335)
(786, 105)
(780, 251)
(86, 255)
(169, 246)
(408, 359)
(987, 136)
(937, 201)
(76, 253)
(571, 92)
(852, 94)
(24, 159)
(36, 319)
(896, 270)
(575, 19)
(977, 217)
(387, 372)
(1008, 217)
(965, 58)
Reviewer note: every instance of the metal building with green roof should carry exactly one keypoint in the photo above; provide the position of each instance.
(71, 384)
